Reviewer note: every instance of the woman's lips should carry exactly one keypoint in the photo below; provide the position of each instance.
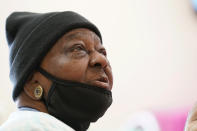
(102, 82)
(103, 79)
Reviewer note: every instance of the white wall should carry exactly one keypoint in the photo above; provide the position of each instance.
(152, 46)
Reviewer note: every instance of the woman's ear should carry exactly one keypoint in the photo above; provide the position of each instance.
(32, 93)
(37, 86)
(32, 88)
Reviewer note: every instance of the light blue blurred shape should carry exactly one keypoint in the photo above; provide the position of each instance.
(194, 2)
(138, 128)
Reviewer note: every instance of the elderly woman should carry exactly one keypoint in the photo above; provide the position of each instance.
(60, 72)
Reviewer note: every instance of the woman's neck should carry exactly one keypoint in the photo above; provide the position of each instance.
(24, 101)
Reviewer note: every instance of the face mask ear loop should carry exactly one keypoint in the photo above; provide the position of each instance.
(46, 74)
(51, 90)
(50, 93)
(55, 79)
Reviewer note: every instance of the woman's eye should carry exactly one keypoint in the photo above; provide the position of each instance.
(78, 48)
(77, 51)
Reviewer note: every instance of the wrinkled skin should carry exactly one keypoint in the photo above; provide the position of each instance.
(76, 56)
(191, 124)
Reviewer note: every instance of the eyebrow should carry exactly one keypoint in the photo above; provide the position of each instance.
(76, 35)
(73, 36)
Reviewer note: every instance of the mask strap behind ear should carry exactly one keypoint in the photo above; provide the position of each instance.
(45, 73)
(58, 80)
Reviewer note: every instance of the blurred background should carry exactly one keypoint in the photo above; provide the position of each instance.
(151, 44)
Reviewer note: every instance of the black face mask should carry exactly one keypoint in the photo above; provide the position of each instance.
(76, 104)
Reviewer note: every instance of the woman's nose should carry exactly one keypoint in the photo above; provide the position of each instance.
(98, 60)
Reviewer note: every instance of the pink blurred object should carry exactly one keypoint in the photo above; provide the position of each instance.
(173, 120)
(157, 120)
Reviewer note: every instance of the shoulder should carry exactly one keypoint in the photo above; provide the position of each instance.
(30, 120)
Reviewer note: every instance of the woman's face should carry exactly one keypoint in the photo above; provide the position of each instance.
(80, 56)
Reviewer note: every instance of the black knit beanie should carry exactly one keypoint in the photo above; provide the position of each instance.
(31, 35)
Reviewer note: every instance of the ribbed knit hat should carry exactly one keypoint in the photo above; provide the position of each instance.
(31, 35)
